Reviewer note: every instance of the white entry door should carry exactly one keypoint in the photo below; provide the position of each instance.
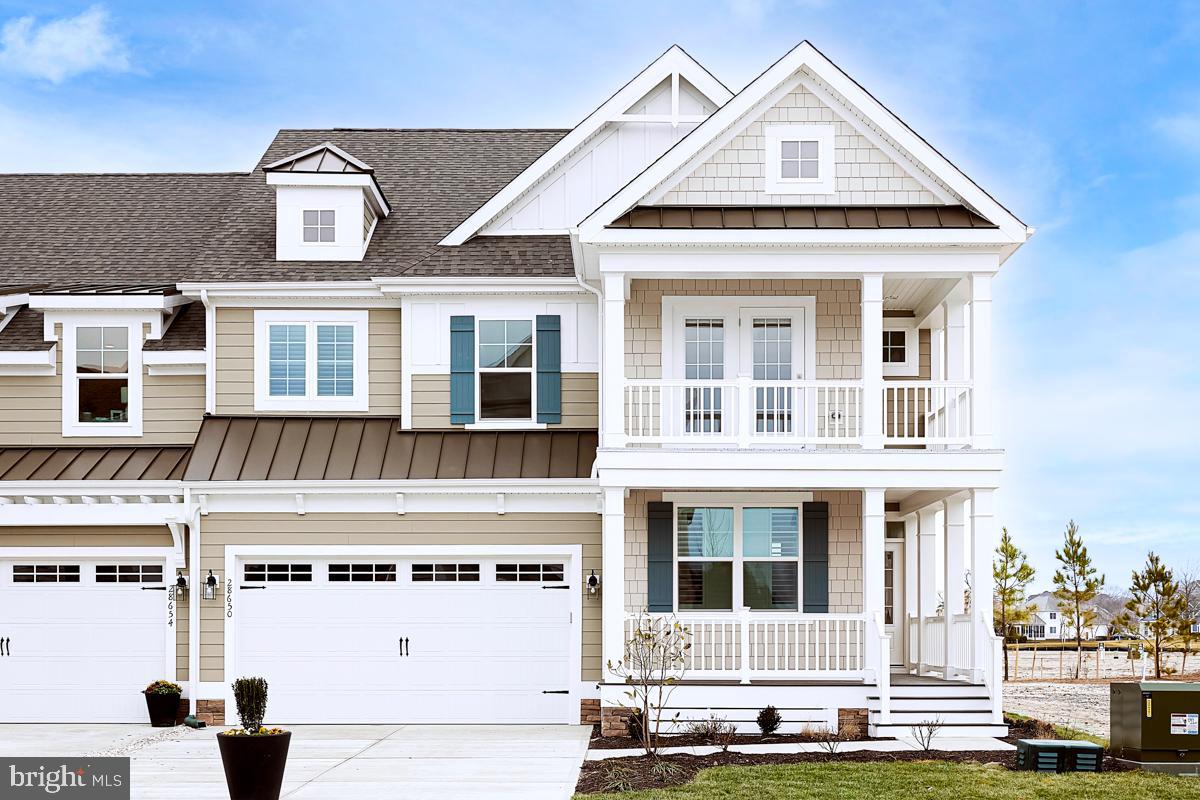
(772, 351)
(894, 613)
(438, 640)
(80, 640)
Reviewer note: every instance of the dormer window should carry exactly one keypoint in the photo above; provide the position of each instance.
(319, 226)
(102, 378)
(800, 159)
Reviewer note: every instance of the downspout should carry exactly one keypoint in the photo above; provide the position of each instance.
(577, 257)
(210, 354)
(192, 514)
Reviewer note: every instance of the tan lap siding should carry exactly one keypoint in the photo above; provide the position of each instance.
(235, 361)
(838, 323)
(31, 410)
(282, 531)
(845, 548)
(580, 401)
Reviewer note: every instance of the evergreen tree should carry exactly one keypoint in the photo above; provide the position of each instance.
(1076, 585)
(1158, 601)
(1012, 574)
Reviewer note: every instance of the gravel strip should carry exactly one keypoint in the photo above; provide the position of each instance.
(133, 742)
(1083, 706)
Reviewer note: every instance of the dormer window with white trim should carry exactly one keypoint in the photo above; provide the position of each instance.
(102, 379)
(310, 361)
(800, 159)
(320, 226)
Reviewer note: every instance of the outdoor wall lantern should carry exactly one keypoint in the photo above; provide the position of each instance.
(181, 586)
(210, 586)
(593, 583)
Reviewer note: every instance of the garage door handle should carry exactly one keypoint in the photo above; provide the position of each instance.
(403, 642)
(5, 644)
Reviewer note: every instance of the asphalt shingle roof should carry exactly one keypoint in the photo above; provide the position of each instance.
(64, 229)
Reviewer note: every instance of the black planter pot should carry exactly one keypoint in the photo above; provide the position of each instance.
(254, 764)
(163, 709)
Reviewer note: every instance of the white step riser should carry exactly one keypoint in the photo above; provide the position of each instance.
(956, 732)
(918, 717)
(944, 690)
(935, 704)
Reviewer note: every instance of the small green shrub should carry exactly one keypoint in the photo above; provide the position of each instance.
(164, 687)
(251, 697)
(769, 720)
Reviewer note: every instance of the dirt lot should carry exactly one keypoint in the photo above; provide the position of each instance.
(1112, 664)
(1079, 705)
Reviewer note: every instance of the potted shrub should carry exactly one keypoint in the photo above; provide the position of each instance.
(254, 757)
(162, 701)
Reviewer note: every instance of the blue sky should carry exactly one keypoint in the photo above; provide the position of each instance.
(1084, 119)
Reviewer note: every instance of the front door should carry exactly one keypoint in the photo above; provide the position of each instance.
(772, 351)
(894, 613)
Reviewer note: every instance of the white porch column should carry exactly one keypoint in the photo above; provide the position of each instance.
(954, 311)
(193, 579)
(926, 579)
(955, 572)
(612, 348)
(912, 584)
(872, 566)
(872, 360)
(983, 544)
(981, 359)
(612, 608)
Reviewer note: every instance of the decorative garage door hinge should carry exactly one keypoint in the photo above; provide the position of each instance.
(556, 691)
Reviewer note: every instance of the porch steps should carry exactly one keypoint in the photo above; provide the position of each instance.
(964, 710)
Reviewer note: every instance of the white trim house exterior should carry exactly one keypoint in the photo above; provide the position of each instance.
(419, 442)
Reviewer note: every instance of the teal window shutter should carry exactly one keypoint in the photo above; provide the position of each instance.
(549, 368)
(816, 558)
(660, 557)
(462, 370)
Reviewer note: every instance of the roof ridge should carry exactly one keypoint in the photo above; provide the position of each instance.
(174, 173)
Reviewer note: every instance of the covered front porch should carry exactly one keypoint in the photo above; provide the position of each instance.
(813, 601)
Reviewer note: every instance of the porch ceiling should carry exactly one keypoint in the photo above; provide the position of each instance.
(915, 294)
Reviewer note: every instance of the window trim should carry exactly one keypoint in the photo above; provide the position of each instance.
(738, 559)
(310, 401)
(509, 422)
(911, 367)
(71, 426)
(825, 182)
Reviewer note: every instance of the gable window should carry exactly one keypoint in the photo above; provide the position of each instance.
(732, 557)
(310, 361)
(506, 369)
(900, 350)
(800, 159)
(102, 379)
(319, 226)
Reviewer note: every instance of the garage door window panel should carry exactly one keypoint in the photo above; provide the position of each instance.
(45, 573)
(445, 573)
(129, 573)
(529, 573)
(278, 573)
(362, 573)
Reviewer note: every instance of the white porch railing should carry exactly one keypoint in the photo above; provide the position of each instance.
(927, 412)
(933, 642)
(749, 413)
(747, 645)
(743, 412)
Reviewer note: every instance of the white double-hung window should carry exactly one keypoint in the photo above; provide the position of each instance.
(102, 379)
(310, 361)
(732, 557)
(505, 374)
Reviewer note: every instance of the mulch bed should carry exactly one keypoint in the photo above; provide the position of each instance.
(645, 772)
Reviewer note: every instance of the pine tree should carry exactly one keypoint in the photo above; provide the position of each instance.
(1076, 585)
(1012, 574)
(1158, 601)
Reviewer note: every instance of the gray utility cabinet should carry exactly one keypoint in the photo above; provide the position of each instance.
(1156, 724)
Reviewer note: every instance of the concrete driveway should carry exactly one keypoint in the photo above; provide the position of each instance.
(337, 761)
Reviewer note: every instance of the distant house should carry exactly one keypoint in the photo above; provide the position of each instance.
(1046, 620)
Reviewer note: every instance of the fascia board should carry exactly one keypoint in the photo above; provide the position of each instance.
(106, 302)
(674, 60)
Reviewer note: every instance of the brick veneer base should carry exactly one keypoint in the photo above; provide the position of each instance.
(211, 712)
(589, 711)
(614, 721)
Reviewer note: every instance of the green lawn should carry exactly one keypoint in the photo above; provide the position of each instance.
(931, 780)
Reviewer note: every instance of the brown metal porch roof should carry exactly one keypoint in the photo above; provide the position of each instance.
(137, 463)
(799, 217)
(373, 448)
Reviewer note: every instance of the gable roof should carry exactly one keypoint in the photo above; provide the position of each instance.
(675, 61)
(681, 159)
(325, 157)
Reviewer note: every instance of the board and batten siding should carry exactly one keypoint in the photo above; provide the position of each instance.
(235, 362)
(580, 401)
(31, 410)
(282, 531)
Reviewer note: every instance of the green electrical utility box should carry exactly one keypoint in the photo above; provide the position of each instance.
(1156, 725)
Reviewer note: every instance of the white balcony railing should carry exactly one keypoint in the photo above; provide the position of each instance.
(743, 412)
(746, 645)
(927, 412)
(750, 413)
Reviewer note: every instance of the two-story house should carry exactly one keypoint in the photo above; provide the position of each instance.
(349, 420)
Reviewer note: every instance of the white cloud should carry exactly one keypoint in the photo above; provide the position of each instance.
(62, 48)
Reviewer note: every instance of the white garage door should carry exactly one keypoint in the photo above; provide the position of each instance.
(437, 640)
(79, 640)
